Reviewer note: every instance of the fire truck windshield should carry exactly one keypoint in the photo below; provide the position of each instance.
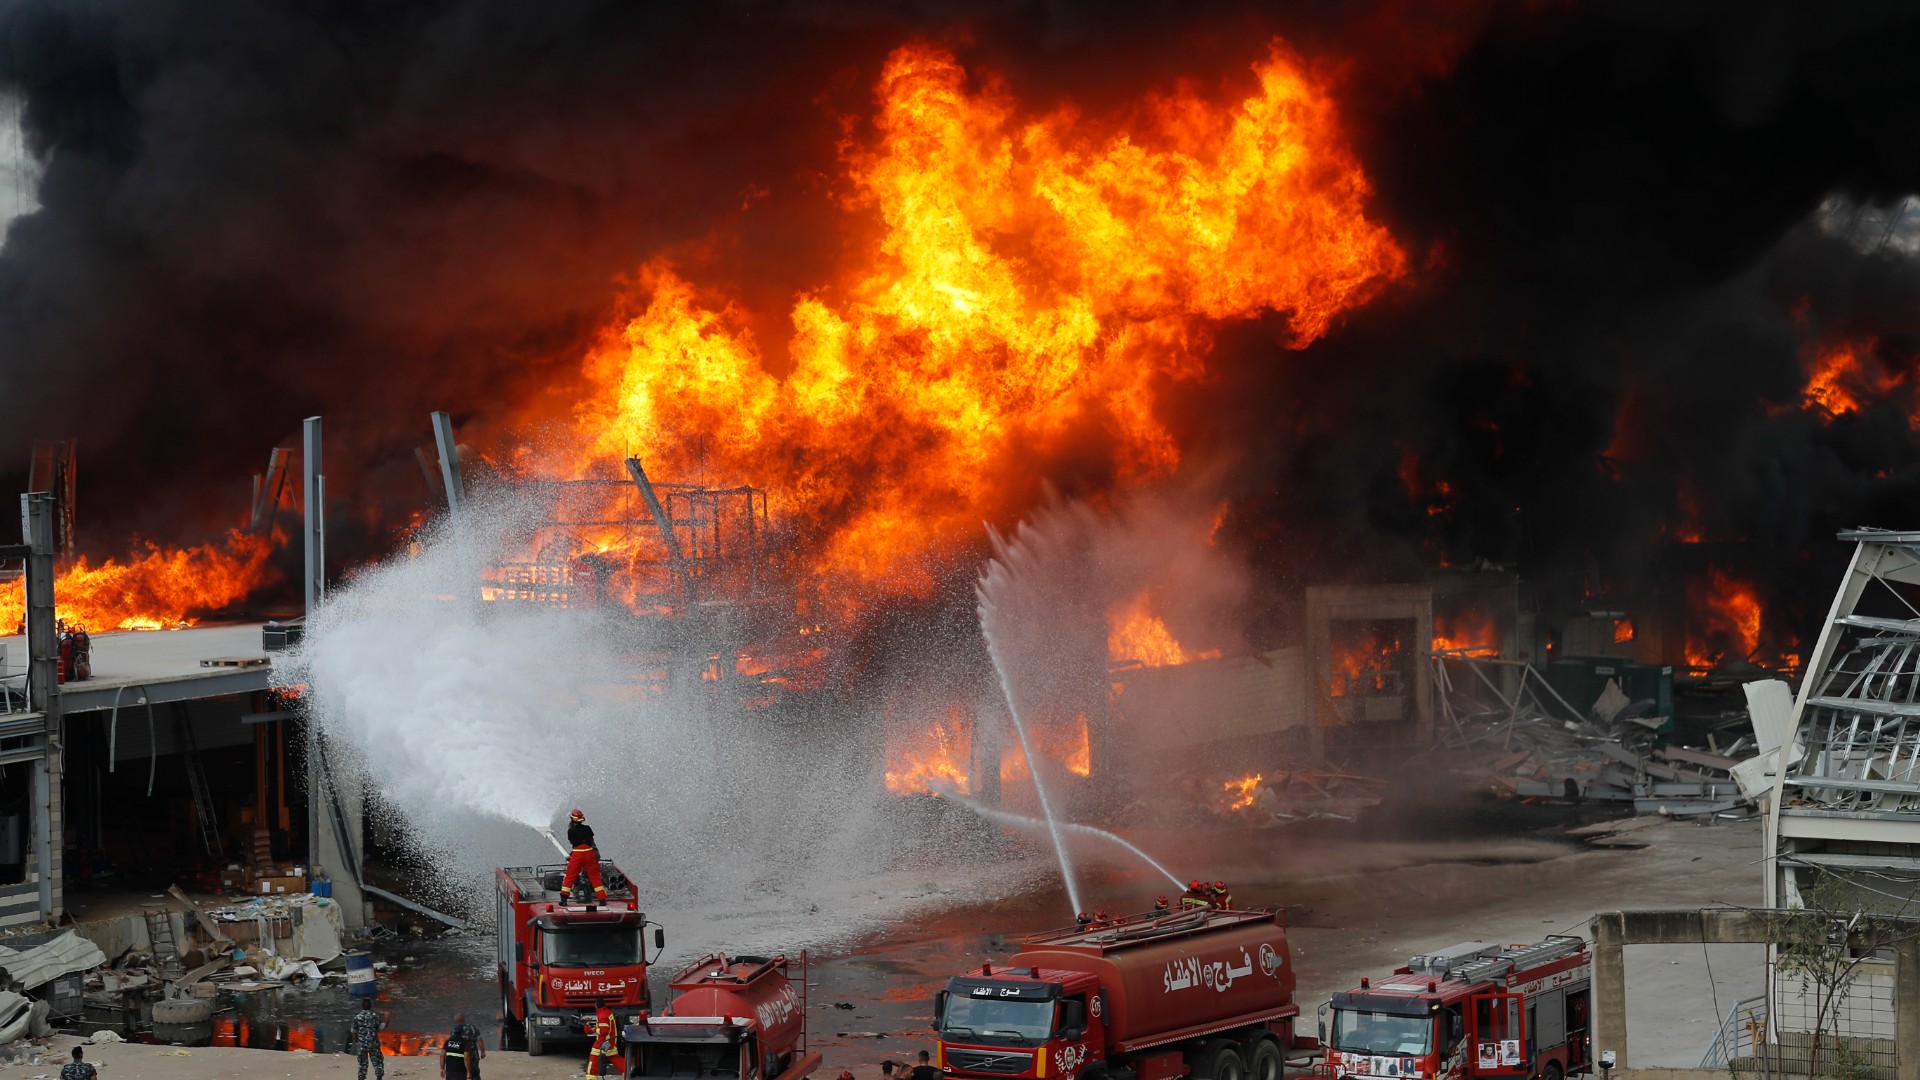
(592, 948)
(971, 1019)
(1382, 1033)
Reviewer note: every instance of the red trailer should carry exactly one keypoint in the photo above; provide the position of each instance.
(1203, 993)
(559, 962)
(1472, 1010)
(729, 1016)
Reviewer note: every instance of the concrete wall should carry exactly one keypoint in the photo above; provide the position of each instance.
(1614, 930)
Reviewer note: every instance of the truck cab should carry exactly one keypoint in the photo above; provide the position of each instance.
(559, 962)
(1034, 1023)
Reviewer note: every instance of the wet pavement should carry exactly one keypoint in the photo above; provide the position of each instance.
(1341, 886)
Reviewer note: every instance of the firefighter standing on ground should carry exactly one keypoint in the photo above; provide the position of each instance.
(584, 858)
(365, 1029)
(602, 1059)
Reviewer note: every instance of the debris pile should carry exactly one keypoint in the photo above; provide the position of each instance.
(1288, 797)
(1534, 745)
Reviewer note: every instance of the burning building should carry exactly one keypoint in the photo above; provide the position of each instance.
(1400, 291)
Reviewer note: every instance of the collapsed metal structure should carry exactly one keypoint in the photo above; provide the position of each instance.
(1846, 801)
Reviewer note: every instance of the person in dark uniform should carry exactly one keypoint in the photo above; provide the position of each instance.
(476, 1047)
(585, 857)
(78, 1069)
(458, 1053)
(364, 1030)
(925, 1070)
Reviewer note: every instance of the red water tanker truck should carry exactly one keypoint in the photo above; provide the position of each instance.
(738, 1017)
(1203, 993)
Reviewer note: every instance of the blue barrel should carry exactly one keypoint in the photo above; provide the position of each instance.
(360, 982)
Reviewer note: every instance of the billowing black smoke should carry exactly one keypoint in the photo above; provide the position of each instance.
(1625, 289)
(254, 213)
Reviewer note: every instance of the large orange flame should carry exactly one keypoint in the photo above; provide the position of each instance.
(1241, 793)
(1136, 635)
(160, 589)
(1469, 633)
(935, 761)
(1838, 374)
(1728, 617)
(1035, 279)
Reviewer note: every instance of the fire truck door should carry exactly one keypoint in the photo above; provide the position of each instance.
(1497, 1035)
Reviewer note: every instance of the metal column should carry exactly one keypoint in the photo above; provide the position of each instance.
(449, 463)
(682, 574)
(37, 510)
(312, 494)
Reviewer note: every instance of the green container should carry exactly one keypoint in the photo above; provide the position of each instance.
(1580, 679)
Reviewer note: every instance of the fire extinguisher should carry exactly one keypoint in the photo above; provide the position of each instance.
(82, 656)
(64, 663)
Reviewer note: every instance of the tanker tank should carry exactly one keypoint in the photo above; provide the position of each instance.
(1167, 976)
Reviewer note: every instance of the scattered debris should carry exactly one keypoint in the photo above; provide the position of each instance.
(1534, 745)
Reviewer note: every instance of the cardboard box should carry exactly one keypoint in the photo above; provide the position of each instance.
(282, 884)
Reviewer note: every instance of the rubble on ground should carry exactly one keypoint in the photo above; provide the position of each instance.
(1290, 797)
(1536, 746)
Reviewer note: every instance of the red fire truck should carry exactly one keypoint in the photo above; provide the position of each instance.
(1202, 993)
(1473, 1010)
(736, 1017)
(558, 962)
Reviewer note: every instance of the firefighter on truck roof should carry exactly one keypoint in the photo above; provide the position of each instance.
(1198, 895)
(585, 858)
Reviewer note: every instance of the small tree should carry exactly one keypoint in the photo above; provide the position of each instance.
(1823, 942)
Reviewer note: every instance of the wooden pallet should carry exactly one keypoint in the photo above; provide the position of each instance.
(235, 661)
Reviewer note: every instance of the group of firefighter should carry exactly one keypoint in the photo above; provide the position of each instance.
(603, 1058)
(1199, 896)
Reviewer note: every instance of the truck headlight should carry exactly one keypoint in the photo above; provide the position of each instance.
(549, 1021)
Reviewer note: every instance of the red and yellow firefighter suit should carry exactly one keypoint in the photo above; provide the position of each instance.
(604, 1059)
(585, 858)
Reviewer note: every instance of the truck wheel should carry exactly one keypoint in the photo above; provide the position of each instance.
(1221, 1062)
(535, 1045)
(1265, 1063)
(1553, 1071)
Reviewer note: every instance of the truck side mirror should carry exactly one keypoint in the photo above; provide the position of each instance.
(1323, 1024)
(939, 1009)
(520, 951)
(1455, 1028)
(659, 938)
